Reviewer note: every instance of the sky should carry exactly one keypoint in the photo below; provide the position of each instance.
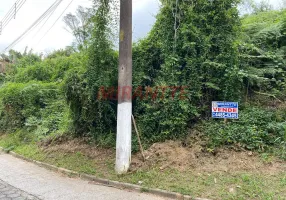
(144, 12)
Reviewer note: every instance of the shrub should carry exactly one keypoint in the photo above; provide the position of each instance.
(22, 101)
(54, 119)
(200, 54)
(257, 129)
(37, 72)
(91, 115)
(48, 70)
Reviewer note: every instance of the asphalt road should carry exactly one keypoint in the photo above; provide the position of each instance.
(9, 192)
(21, 180)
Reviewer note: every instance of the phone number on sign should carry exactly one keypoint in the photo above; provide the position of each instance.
(225, 115)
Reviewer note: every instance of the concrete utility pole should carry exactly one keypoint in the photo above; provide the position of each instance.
(124, 110)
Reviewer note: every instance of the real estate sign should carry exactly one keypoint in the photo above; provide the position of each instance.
(225, 110)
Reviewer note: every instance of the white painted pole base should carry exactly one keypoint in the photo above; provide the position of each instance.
(123, 141)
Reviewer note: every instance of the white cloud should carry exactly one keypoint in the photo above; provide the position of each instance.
(58, 37)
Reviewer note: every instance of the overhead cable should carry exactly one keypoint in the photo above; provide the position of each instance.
(51, 13)
(11, 14)
(34, 25)
(55, 22)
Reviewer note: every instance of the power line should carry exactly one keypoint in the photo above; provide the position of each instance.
(55, 22)
(30, 28)
(11, 14)
(34, 25)
(10, 11)
(52, 12)
(20, 6)
(6, 16)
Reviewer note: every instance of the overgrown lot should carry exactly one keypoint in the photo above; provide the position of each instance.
(205, 47)
(185, 168)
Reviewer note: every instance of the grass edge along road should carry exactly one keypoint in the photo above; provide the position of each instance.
(214, 185)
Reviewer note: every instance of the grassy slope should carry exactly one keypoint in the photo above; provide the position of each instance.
(217, 185)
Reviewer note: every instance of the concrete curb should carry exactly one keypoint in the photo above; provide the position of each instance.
(104, 182)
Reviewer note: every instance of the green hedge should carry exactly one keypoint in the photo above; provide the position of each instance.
(21, 101)
(257, 129)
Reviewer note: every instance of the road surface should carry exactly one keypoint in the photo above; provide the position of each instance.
(21, 180)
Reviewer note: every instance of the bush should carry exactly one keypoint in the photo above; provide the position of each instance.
(2, 78)
(203, 57)
(92, 116)
(54, 119)
(50, 70)
(22, 101)
(257, 129)
(37, 72)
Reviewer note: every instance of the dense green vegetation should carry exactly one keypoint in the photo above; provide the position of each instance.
(204, 46)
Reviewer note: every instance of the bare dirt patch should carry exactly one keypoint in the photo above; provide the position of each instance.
(177, 155)
(173, 154)
(67, 145)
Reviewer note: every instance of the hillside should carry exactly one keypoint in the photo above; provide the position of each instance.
(51, 104)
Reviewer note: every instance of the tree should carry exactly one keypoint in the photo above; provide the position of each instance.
(283, 4)
(251, 6)
(12, 56)
(80, 26)
(262, 6)
(92, 114)
(193, 45)
(246, 7)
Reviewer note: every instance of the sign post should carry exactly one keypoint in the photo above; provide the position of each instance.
(225, 110)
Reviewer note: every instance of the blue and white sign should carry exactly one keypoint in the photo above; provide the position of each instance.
(225, 110)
